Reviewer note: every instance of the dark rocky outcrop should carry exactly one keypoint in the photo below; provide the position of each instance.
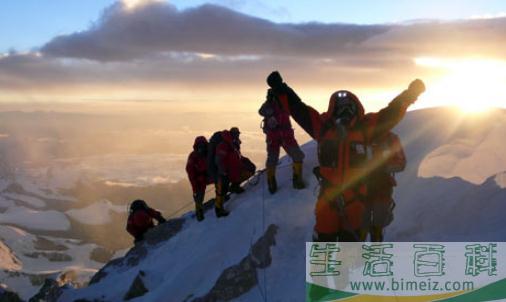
(43, 244)
(50, 291)
(51, 256)
(161, 233)
(137, 288)
(242, 277)
(8, 296)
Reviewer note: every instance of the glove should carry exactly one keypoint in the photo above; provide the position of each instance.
(416, 87)
(274, 80)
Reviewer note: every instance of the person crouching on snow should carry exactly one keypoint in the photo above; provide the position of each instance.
(140, 219)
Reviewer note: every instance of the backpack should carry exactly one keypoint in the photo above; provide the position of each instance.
(389, 150)
(214, 141)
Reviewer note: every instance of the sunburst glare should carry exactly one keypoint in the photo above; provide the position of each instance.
(473, 85)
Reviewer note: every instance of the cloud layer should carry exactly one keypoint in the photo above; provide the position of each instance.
(155, 43)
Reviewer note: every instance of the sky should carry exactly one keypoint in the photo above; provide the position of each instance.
(26, 24)
(205, 52)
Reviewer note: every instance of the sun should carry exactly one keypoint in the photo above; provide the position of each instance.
(473, 85)
(131, 4)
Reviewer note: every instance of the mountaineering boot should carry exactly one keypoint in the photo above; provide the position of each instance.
(298, 182)
(198, 197)
(199, 211)
(271, 180)
(236, 188)
(363, 234)
(376, 234)
(218, 207)
(323, 237)
(348, 236)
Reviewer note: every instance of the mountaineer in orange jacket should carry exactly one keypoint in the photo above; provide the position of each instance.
(196, 168)
(140, 219)
(343, 134)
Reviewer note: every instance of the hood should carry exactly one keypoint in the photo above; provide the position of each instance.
(199, 140)
(353, 97)
(227, 136)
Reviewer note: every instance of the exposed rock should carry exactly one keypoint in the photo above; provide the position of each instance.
(35, 279)
(49, 292)
(8, 296)
(8, 258)
(102, 255)
(160, 233)
(44, 244)
(137, 288)
(73, 278)
(51, 256)
(240, 278)
(19, 189)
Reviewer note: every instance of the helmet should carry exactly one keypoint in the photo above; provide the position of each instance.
(138, 204)
(345, 108)
(200, 144)
(235, 132)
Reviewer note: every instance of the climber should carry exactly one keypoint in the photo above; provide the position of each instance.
(234, 131)
(140, 219)
(248, 167)
(388, 158)
(343, 134)
(279, 133)
(229, 171)
(196, 168)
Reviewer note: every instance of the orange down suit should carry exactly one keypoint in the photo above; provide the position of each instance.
(343, 155)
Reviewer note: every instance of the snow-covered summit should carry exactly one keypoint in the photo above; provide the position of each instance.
(258, 252)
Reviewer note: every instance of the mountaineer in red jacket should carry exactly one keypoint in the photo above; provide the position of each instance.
(230, 170)
(279, 133)
(343, 134)
(388, 158)
(196, 168)
(248, 168)
(140, 219)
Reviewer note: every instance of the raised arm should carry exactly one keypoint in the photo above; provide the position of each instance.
(383, 121)
(306, 116)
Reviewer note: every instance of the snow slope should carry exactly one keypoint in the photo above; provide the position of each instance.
(38, 257)
(212, 259)
(98, 213)
(475, 151)
(36, 237)
(32, 219)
